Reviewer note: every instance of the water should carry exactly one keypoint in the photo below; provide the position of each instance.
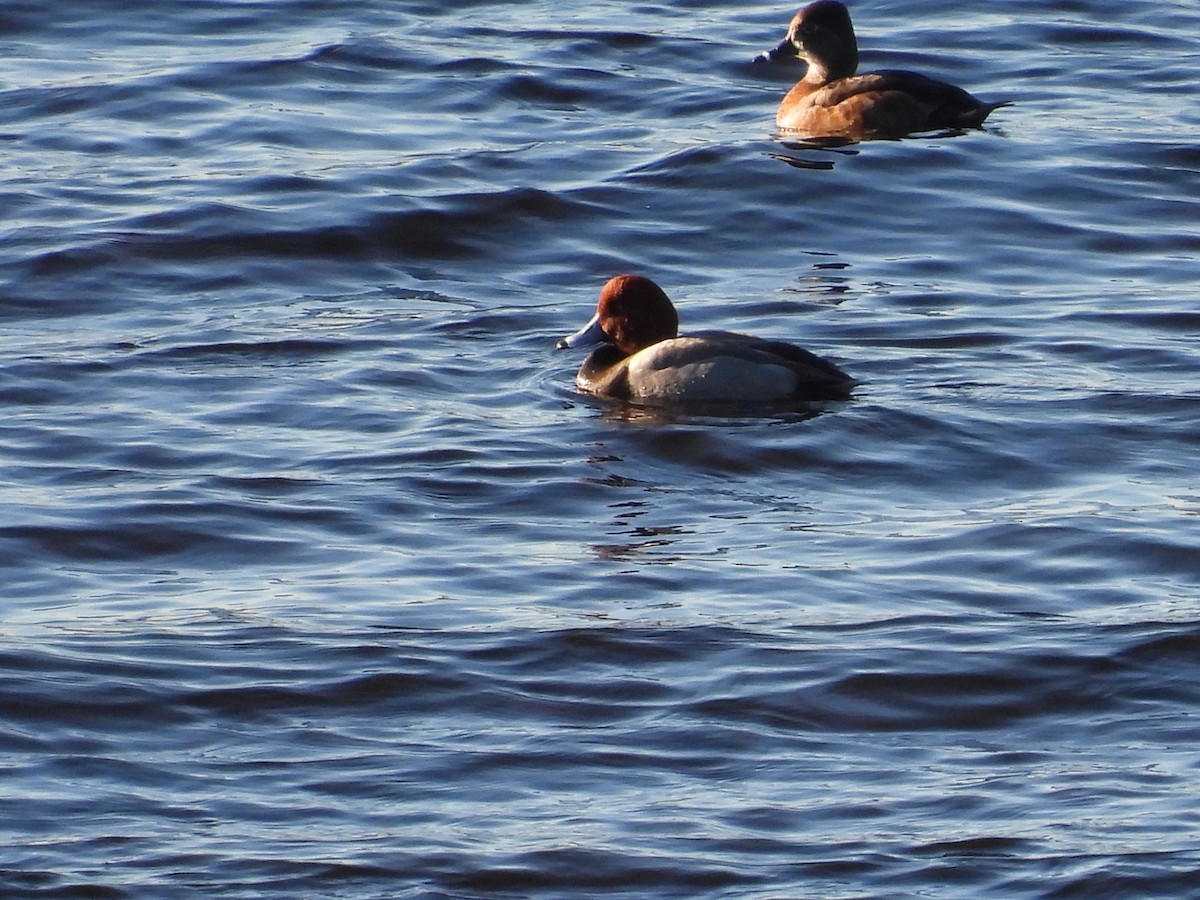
(321, 580)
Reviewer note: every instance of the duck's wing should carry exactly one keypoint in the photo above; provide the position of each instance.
(815, 367)
(814, 373)
(897, 101)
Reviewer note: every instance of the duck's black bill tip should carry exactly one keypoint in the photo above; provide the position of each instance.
(785, 50)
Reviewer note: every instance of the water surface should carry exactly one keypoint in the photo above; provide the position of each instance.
(321, 579)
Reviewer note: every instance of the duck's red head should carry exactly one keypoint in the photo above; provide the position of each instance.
(636, 313)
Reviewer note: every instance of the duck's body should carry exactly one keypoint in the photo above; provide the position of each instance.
(889, 103)
(643, 360)
(833, 101)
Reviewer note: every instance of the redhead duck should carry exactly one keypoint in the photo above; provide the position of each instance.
(643, 359)
(832, 101)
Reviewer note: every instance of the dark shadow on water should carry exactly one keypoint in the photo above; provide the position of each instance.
(838, 146)
(797, 162)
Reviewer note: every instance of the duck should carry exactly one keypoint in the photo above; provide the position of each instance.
(832, 101)
(642, 358)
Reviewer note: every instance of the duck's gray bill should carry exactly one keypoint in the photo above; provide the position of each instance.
(589, 334)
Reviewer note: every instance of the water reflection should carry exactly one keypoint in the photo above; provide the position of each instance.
(648, 540)
(848, 146)
(641, 540)
(724, 414)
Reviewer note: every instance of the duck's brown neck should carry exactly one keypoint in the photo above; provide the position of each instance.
(831, 57)
(823, 71)
(817, 74)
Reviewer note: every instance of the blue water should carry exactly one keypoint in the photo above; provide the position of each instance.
(318, 578)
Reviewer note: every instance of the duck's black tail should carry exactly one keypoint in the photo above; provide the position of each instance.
(976, 117)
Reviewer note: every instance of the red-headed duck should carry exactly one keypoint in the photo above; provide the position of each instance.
(643, 359)
(832, 101)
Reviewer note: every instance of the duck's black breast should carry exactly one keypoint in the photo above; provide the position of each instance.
(605, 371)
